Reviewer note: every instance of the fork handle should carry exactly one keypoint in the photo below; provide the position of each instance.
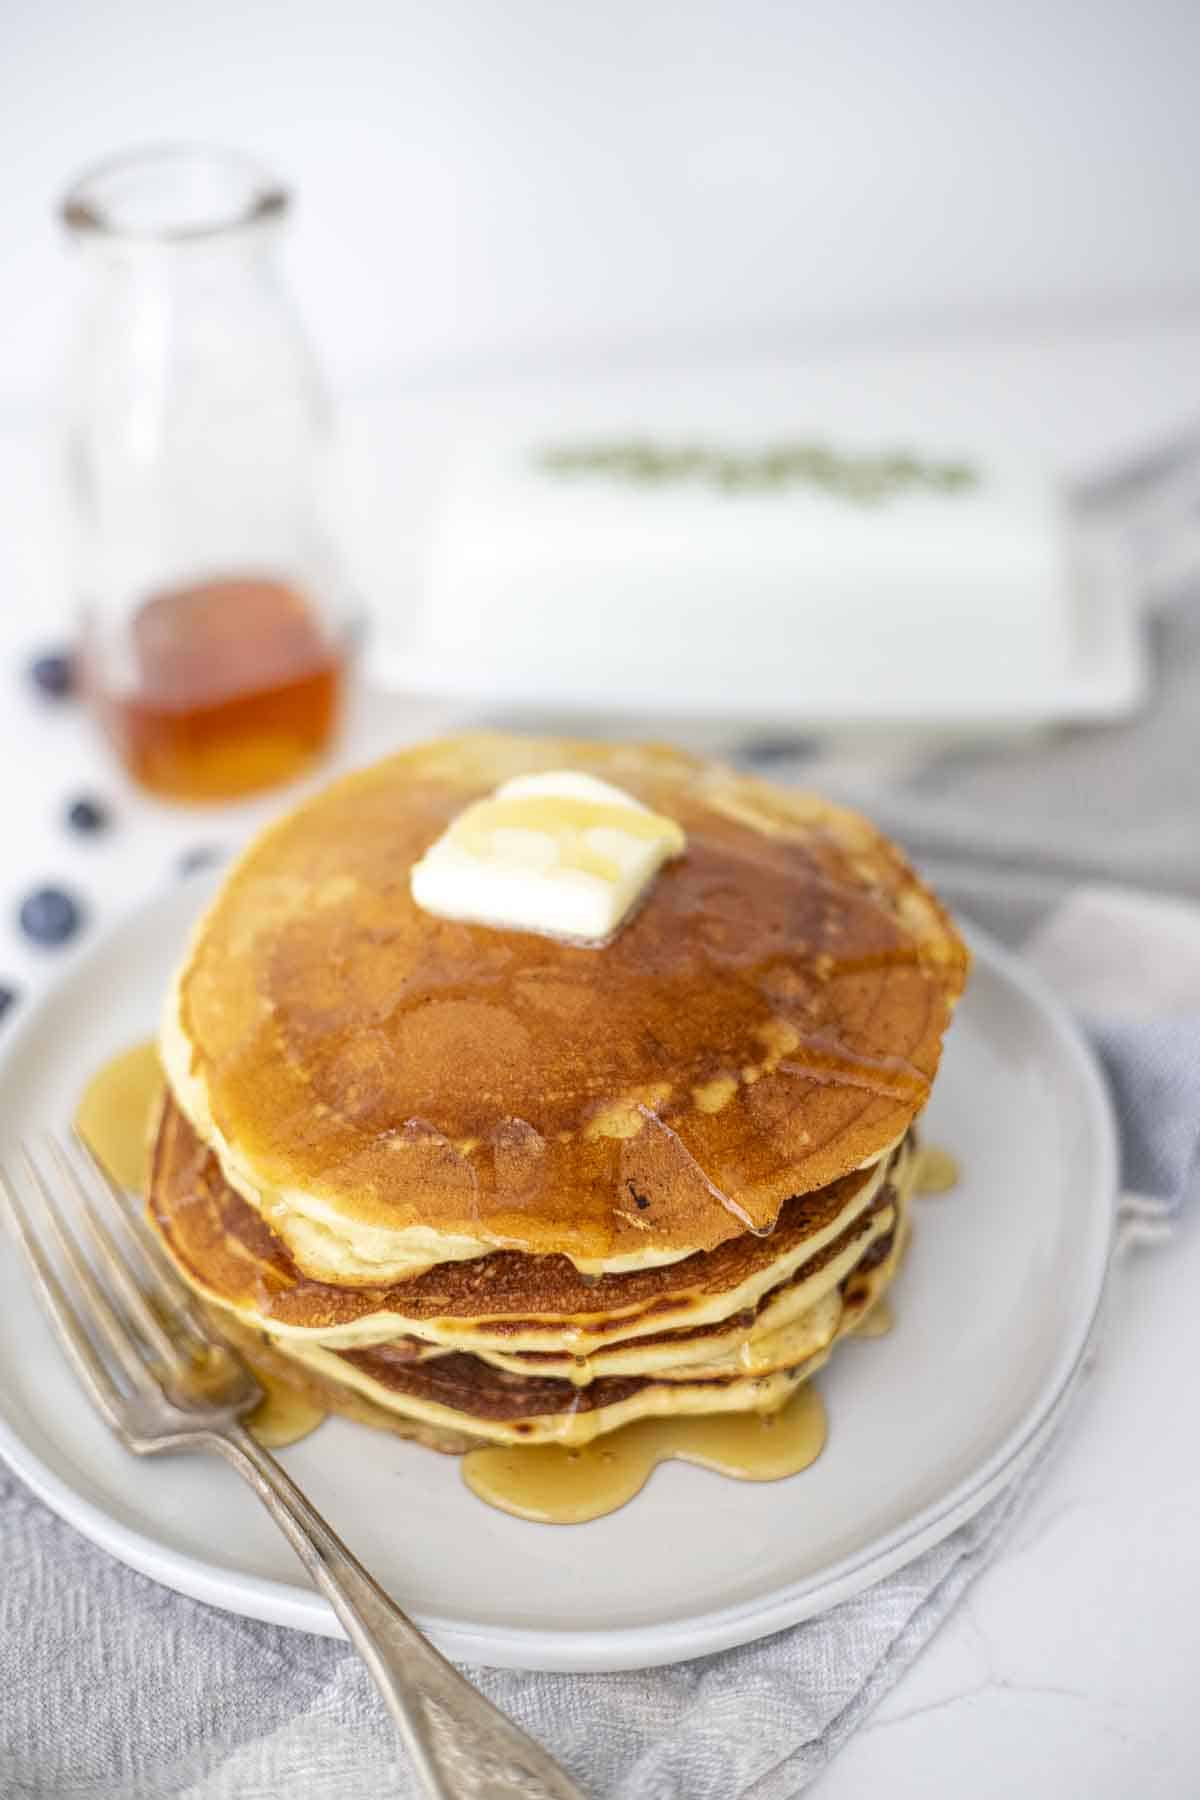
(460, 1745)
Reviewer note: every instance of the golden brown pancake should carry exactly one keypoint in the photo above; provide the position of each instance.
(481, 1186)
(456, 1400)
(505, 1303)
(319, 1390)
(463, 1395)
(395, 1092)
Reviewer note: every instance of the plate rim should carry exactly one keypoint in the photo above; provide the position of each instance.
(545, 1648)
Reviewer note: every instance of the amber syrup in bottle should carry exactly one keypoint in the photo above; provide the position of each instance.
(237, 685)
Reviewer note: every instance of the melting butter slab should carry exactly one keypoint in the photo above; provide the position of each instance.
(562, 854)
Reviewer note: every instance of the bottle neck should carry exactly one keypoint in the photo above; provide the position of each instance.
(221, 260)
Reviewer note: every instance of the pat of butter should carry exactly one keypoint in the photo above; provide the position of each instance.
(561, 854)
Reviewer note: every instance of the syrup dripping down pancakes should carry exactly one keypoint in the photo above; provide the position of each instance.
(487, 1188)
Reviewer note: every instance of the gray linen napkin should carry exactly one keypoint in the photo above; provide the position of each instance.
(117, 1689)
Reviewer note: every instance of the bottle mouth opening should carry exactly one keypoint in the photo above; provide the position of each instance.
(172, 194)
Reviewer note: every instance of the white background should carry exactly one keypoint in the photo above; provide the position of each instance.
(481, 181)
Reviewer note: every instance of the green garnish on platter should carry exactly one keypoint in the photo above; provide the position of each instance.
(864, 478)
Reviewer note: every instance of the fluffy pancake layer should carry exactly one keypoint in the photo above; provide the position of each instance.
(504, 1303)
(391, 1093)
(455, 1401)
(748, 1357)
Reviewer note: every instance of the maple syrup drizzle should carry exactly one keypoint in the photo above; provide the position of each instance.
(114, 1117)
(937, 1171)
(568, 820)
(546, 1483)
(116, 1110)
(284, 1415)
(877, 1321)
(553, 1485)
(823, 1059)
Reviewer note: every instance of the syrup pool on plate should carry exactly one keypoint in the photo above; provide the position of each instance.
(552, 1484)
(115, 1117)
(116, 1113)
(937, 1171)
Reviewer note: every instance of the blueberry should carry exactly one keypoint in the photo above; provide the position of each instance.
(777, 749)
(49, 916)
(87, 815)
(53, 673)
(8, 998)
(200, 856)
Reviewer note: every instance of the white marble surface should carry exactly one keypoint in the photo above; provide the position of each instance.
(1071, 1668)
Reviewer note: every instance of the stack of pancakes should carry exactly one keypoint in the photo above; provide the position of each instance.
(481, 1186)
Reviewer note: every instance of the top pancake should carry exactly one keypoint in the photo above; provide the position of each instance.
(393, 1090)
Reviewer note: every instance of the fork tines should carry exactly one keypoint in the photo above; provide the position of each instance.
(126, 1319)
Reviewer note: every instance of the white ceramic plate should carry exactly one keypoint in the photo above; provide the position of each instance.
(994, 1309)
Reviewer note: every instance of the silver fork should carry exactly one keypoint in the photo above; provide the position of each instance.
(164, 1380)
